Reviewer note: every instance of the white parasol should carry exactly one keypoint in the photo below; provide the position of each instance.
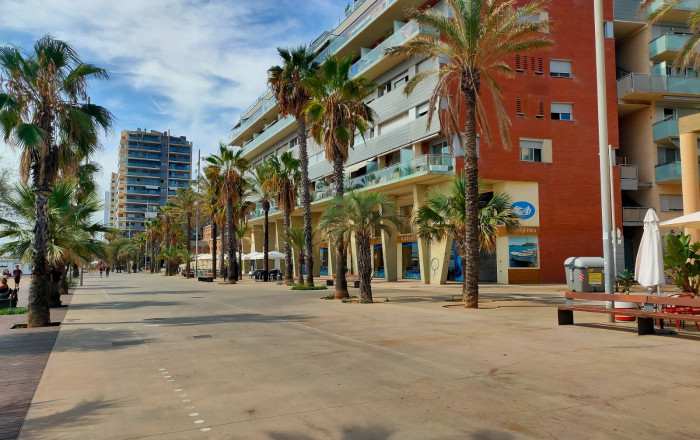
(649, 268)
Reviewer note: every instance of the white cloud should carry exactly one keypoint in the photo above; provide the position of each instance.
(185, 65)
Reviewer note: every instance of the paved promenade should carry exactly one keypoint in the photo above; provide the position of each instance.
(148, 357)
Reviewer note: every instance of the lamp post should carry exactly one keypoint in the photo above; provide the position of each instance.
(196, 230)
(603, 154)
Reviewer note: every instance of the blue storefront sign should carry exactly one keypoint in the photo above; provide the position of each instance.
(524, 210)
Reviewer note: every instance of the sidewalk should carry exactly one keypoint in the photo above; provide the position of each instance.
(145, 356)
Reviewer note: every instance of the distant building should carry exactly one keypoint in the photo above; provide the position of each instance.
(106, 209)
(152, 166)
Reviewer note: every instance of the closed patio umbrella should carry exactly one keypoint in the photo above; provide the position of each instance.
(649, 268)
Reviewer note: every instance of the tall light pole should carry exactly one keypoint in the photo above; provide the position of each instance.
(603, 154)
(196, 232)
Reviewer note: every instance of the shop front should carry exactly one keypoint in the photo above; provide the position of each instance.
(378, 257)
(410, 259)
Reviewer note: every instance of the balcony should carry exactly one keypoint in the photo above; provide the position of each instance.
(144, 137)
(644, 87)
(429, 164)
(629, 179)
(135, 154)
(142, 164)
(276, 131)
(666, 47)
(139, 146)
(249, 123)
(633, 216)
(176, 166)
(375, 61)
(179, 150)
(668, 173)
(133, 172)
(153, 182)
(680, 13)
(176, 175)
(150, 192)
(178, 184)
(665, 130)
(175, 158)
(178, 141)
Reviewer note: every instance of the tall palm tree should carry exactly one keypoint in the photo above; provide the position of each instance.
(284, 183)
(359, 214)
(290, 84)
(46, 113)
(154, 235)
(185, 203)
(443, 216)
(72, 233)
(475, 44)
(689, 55)
(336, 113)
(259, 180)
(211, 183)
(231, 168)
(241, 232)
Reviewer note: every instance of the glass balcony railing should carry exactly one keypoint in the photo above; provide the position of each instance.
(665, 129)
(144, 137)
(135, 154)
(401, 36)
(178, 184)
(177, 166)
(429, 163)
(667, 172)
(179, 150)
(655, 84)
(132, 172)
(684, 6)
(175, 175)
(143, 181)
(174, 158)
(140, 146)
(267, 105)
(142, 164)
(260, 213)
(150, 192)
(178, 142)
(262, 137)
(666, 45)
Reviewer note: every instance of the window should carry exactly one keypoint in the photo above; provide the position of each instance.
(393, 124)
(671, 202)
(293, 143)
(668, 155)
(405, 215)
(531, 150)
(670, 113)
(560, 69)
(562, 111)
(384, 88)
(440, 148)
(400, 81)
(422, 110)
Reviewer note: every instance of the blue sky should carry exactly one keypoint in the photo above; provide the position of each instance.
(190, 66)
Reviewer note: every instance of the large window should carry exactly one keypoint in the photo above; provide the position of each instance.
(410, 261)
(531, 150)
(560, 68)
(323, 265)
(562, 111)
(378, 260)
(671, 202)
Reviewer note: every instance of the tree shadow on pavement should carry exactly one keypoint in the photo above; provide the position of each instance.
(348, 433)
(231, 319)
(82, 414)
(92, 339)
(128, 305)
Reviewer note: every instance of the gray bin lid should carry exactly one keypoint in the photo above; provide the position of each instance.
(584, 262)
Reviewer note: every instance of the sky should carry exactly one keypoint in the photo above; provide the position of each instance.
(191, 66)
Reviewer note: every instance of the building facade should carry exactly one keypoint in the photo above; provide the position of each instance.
(652, 96)
(152, 166)
(551, 172)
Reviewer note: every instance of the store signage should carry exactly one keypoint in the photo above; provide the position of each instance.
(524, 210)
(407, 238)
(521, 231)
(375, 240)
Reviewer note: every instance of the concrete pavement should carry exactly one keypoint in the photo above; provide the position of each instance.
(145, 356)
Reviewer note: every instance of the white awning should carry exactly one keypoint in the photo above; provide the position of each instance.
(357, 166)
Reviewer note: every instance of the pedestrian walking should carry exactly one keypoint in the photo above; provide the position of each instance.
(17, 275)
(101, 269)
(107, 271)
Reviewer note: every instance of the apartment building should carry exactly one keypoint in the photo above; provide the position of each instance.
(652, 96)
(152, 166)
(551, 172)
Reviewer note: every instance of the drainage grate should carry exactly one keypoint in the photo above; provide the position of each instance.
(127, 343)
(201, 336)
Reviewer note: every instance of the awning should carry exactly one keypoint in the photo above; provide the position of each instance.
(355, 167)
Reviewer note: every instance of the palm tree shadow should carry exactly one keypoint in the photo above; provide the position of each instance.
(373, 432)
(82, 414)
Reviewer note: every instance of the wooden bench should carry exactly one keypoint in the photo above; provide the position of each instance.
(645, 315)
(206, 279)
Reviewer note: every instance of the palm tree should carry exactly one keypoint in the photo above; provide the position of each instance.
(231, 167)
(443, 216)
(185, 203)
(284, 183)
(46, 113)
(359, 214)
(240, 234)
(72, 234)
(154, 235)
(290, 84)
(474, 46)
(295, 237)
(140, 244)
(689, 53)
(211, 182)
(173, 256)
(261, 177)
(336, 113)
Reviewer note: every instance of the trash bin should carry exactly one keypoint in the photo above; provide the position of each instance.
(584, 274)
(279, 278)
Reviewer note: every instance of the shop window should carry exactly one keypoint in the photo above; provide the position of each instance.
(531, 150)
(671, 202)
(410, 261)
(378, 261)
(323, 265)
(560, 69)
(562, 111)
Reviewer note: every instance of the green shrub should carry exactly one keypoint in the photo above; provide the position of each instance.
(15, 311)
(303, 287)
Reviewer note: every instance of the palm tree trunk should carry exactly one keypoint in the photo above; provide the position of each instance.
(470, 286)
(222, 260)
(364, 261)
(341, 284)
(188, 231)
(38, 312)
(231, 279)
(305, 199)
(240, 258)
(55, 289)
(213, 247)
(300, 264)
(288, 263)
(266, 263)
